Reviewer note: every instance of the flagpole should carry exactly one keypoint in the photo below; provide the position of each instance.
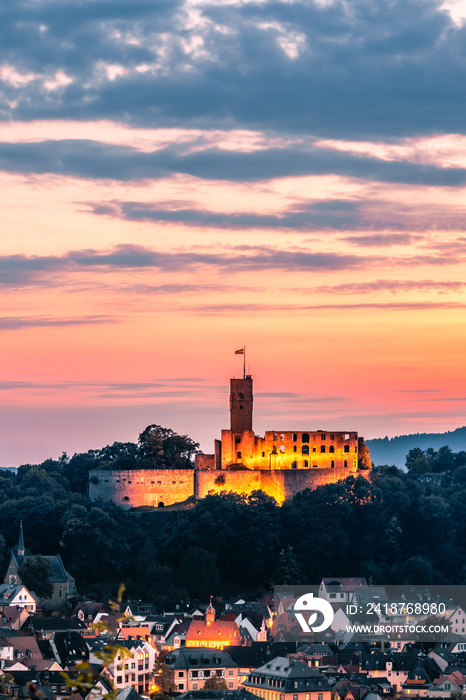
(244, 362)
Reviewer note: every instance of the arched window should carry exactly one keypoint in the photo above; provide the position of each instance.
(238, 454)
(346, 448)
(331, 448)
(305, 449)
(305, 437)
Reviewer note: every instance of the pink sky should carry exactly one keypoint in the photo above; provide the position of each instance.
(138, 253)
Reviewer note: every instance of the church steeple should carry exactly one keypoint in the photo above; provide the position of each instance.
(21, 540)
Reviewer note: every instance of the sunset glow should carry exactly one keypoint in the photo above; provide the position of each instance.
(182, 180)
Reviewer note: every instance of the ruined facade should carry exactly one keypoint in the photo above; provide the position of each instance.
(241, 448)
(281, 463)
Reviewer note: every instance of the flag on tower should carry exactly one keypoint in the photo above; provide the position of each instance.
(239, 352)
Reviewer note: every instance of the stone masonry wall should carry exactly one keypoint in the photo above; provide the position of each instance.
(142, 487)
(154, 486)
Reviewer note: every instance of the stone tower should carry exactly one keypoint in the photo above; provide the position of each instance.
(241, 404)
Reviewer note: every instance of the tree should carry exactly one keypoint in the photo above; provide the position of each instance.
(35, 573)
(163, 448)
(162, 677)
(417, 461)
(215, 683)
(364, 459)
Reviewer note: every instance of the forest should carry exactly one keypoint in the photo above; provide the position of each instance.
(402, 527)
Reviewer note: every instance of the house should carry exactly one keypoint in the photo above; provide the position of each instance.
(192, 667)
(257, 654)
(394, 666)
(13, 617)
(457, 618)
(131, 665)
(161, 627)
(442, 687)
(46, 627)
(240, 694)
(288, 679)
(63, 584)
(212, 633)
(340, 590)
(421, 677)
(15, 594)
(69, 648)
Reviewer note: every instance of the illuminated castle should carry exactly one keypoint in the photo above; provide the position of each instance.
(240, 447)
(282, 463)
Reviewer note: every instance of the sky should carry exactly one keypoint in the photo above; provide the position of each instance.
(182, 178)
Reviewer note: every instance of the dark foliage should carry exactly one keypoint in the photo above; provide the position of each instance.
(403, 527)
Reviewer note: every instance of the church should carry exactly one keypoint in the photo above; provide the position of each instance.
(63, 584)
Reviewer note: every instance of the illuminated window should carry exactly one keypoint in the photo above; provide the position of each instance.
(282, 448)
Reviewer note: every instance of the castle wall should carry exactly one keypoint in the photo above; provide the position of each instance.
(150, 487)
(142, 487)
(281, 484)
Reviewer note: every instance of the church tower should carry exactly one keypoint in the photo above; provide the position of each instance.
(241, 404)
(20, 549)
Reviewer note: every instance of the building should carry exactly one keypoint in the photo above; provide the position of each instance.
(288, 679)
(278, 449)
(281, 464)
(131, 666)
(193, 667)
(63, 584)
(211, 633)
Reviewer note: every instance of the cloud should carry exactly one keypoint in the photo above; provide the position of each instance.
(303, 309)
(93, 159)
(358, 68)
(15, 268)
(8, 323)
(383, 239)
(24, 270)
(393, 286)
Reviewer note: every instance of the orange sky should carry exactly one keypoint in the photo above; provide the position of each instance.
(139, 251)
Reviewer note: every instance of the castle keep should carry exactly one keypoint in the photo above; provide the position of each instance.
(281, 463)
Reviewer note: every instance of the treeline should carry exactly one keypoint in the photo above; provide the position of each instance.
(401, 528)
(394, 450)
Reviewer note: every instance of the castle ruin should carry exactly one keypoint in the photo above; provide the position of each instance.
(281, 463)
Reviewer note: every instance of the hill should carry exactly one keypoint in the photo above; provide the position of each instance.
(394, 450)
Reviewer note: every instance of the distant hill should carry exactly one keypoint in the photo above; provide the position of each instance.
(394, 450)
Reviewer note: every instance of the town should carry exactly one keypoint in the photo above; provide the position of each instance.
(232, 648)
